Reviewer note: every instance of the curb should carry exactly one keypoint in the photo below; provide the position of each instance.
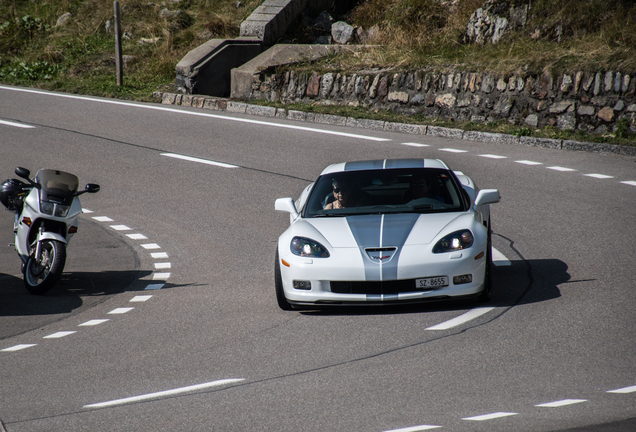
(222, 104)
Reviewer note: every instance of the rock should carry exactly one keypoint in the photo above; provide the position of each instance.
(562, 106)
(64, 20)
(620, 106)
(566, 84)
(165, 13)
(503, 106)
(397, 96)
(445, 100)
(342, 33)
(532, 120)
(326, 85)
(586, 110)
(606, 114)
(313, 87)
(566, 122)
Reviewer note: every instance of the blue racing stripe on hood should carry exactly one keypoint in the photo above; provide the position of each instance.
(377, 231)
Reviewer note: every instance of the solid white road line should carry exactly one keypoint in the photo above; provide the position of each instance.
(203, 161)
(20, 125)
(196, 113)
(561, 403)
(414, 428)
(624, 390)
(164, 393)
(468, 316)
(490, 416)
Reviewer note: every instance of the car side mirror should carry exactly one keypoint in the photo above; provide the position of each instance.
(487, 196)
(286, 205)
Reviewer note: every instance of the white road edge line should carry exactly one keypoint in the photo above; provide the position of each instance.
(199, 114)
(499, 259)
(163, 393)
(464, 318)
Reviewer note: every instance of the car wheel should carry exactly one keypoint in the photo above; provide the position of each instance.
(278, 283)
(486, 294)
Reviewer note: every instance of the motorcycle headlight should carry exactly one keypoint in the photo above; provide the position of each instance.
(47, 207)
(61, 210)
(453, 242)
(305, 247)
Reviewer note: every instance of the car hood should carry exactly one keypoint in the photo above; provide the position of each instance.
(388, 230)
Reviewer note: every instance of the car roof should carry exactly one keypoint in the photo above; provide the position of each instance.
(384, 164)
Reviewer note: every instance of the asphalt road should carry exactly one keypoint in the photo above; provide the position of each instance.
(166, 317)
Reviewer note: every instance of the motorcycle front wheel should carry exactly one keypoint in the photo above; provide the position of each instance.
(41, 274)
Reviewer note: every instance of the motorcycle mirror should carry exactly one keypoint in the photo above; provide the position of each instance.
(23, 172)
(92, 188)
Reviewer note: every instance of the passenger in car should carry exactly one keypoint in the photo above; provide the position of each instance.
(420, 187)
(345, 194)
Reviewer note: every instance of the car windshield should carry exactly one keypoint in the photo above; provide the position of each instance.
(412, 190)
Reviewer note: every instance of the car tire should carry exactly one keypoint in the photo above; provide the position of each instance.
(486, 294)
(278, 283)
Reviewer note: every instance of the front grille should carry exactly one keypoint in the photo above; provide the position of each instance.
(374, 287)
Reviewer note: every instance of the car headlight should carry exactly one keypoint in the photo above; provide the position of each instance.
(453, 242)
(305, 247)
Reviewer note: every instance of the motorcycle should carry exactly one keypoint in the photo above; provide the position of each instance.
(46, 210)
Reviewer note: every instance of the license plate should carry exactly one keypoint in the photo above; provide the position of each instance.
(433, 282)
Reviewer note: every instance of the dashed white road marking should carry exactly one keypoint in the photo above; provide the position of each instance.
(158, 255)
(136, 236)
(492, 156)
(164, 393)
(411, 144)
(414, 428)
(93, 322)
(120, 311)
(599, 176)
(85, 210)
(102, 219)
(559, 168)
(18, 347)
(527, 162)
(165, 265)
(140, 298)
(490, 416)
(19, 125)
(624, 390)
(120, 227)
(464, 318)
(59, 335)
(160, 276)
(203, 161)
(452, 150)
(154, 286)
(630, 182)
(561, 403)
(151, 246)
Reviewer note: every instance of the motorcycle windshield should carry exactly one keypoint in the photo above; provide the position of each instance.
(55, 183)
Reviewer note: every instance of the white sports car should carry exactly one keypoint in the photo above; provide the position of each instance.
(385, 232)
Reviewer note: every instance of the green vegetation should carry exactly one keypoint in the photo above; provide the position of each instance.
(79, 56)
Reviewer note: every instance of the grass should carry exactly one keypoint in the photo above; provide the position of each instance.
(79, 57)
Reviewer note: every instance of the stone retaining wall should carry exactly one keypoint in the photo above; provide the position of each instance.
(590, 102)
(221, 104)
